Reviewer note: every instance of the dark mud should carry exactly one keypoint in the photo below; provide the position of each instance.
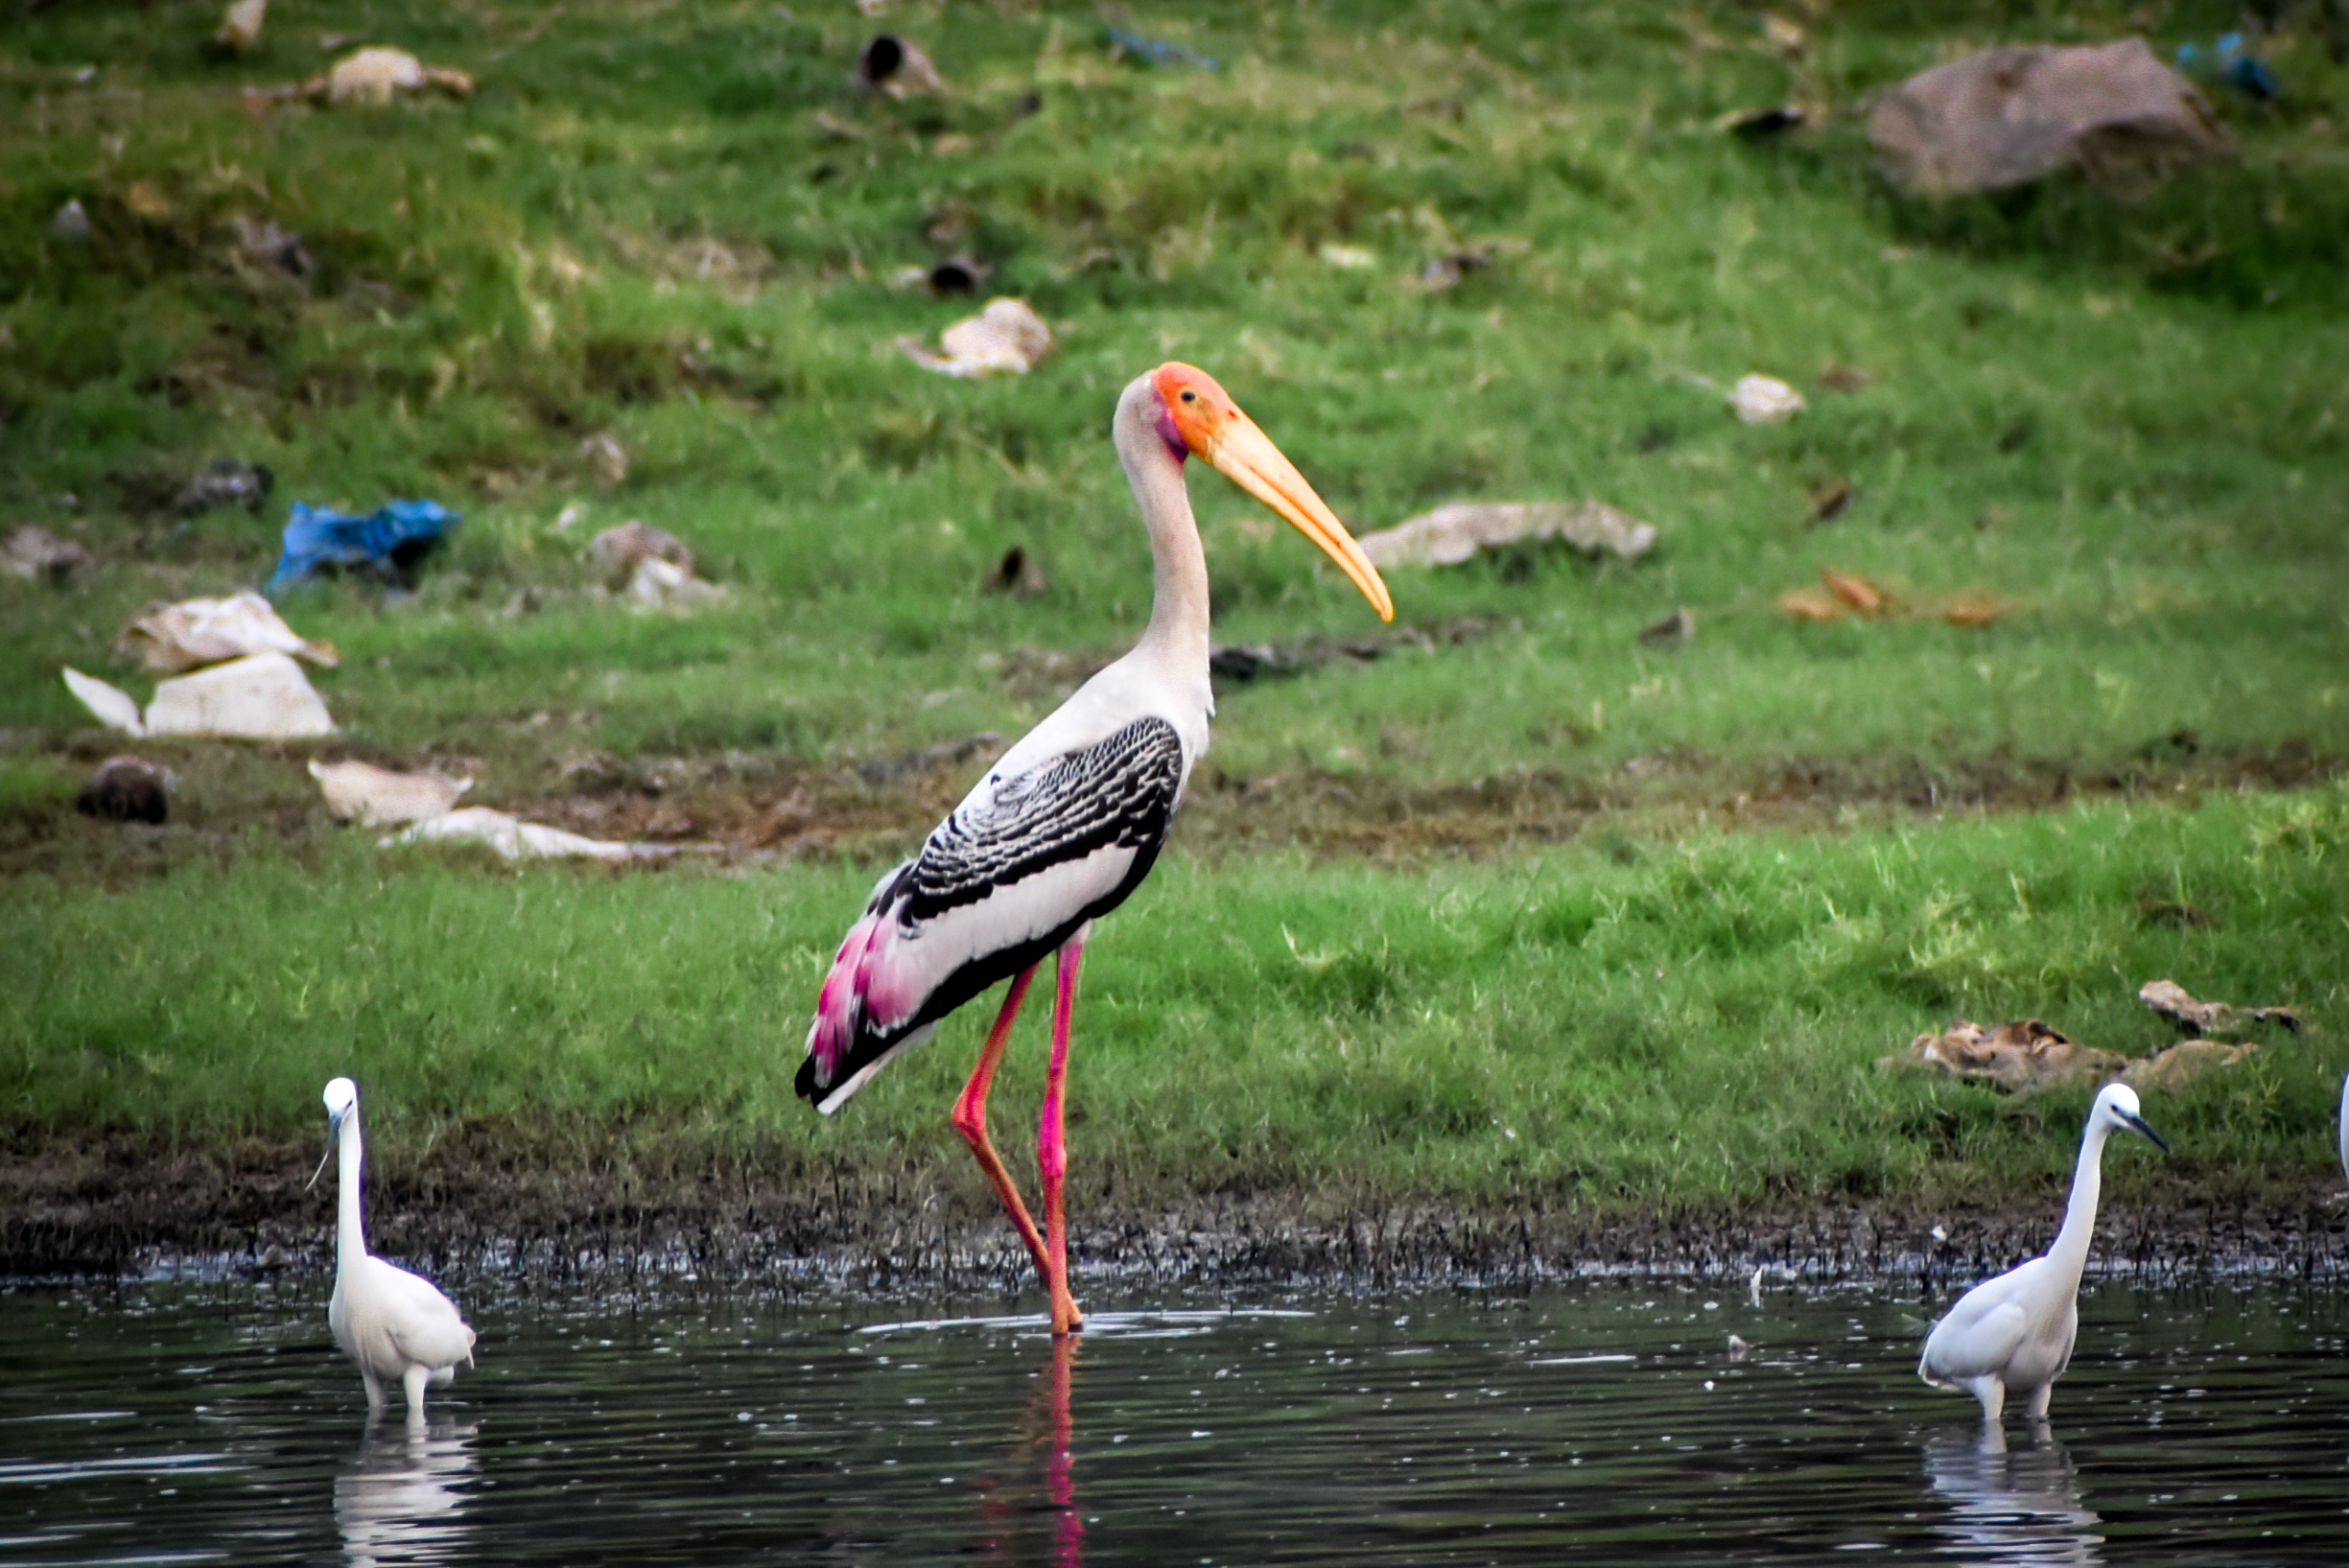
(749, 810)
(477, 1205)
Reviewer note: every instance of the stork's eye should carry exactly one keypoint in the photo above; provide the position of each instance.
(1190, 397)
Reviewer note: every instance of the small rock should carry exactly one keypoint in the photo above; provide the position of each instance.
(126, 789)
(265, 244)
(606, 459)
(1765, 400)
(38, 556)
(241, 26)
(897, 66)
(72, 223)
(621, 549)
(1676, 630)
(224, 482)
(1017, 574)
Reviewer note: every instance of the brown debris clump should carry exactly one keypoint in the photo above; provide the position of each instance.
(2172, 1001)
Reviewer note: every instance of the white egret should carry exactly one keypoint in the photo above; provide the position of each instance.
(2013, 1334)
(397, 1326)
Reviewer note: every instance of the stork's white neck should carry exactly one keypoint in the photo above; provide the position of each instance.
(2071, 1249)
(350, 1240)
(1177, 637)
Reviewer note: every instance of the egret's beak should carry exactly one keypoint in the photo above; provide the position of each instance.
(2137, 1123)
(1246, 456)
(334, 1124)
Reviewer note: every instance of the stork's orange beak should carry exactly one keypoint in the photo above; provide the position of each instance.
(1214, 428)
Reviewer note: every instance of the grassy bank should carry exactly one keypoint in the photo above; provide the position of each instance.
(1672, 1024)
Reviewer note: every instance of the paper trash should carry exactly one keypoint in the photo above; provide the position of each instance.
(376, 797)
(1450, 534)
(513, 839)
(197, 632)
(262, 697)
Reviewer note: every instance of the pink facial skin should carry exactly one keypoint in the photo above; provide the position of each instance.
(1168, 432)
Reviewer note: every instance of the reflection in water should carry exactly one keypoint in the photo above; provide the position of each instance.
(401, 1502)
(2019, 1507)
(1046, 1424)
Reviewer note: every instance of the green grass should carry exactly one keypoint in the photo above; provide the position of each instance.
(1687, 1023)
(2142, 451)
(2127, 423)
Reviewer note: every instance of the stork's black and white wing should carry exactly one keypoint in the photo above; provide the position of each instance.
(1022, 863)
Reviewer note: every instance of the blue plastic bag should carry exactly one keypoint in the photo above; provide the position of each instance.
(387, 545)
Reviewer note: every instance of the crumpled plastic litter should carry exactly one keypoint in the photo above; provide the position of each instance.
(72, 221)
(370, 78)
(1157, 51)
(1005, 336)
(35, 554)
(170, 639)
(1765, 400)
(273, 248)
(2172, 1001)
(1452, 533)
(241, 26)
(621, 549)
(2010, 115)
(375, 797)
(662, 585)
(513, 839)
(262, 697)
(387, 544)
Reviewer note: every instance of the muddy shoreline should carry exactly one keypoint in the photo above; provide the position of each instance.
(91, 1211)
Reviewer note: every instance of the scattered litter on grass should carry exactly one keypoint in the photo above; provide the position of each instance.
(1834, 377)
(2229, 61)
(1764, 400)
(829, 124)
(1124, 45)
(2027, 1056)
(1445, 272)
(662, 585)
(1829, 499)
(606, 461)
(2023, 1054)
(126, 789)
(1006, 336)
(224, 481)
(512, 839)
(1452, 533)
(2172, 1001)
(262, 697)
(1761, 125)
(1351, 257)
(1017, 574)
(368, 78)
(35, 554)
(1848, 594)
(278, 251)
(1676, 630)
(72, 223)
(240, 27)
(897, 66)
(620, 550)
(375, 797)
(389, 544)
(170, 639)
(2008, 116)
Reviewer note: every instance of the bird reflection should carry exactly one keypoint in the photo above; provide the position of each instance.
(1046, 1425)
(402, 1501)
(2020, 1508)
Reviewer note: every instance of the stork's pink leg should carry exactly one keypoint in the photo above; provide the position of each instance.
(1051, 1149)
(970, 1121)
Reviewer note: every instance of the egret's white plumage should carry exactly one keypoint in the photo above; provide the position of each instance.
(2012, 1335)
(397, 1326)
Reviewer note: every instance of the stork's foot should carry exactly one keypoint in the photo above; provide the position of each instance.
(1066, 1318)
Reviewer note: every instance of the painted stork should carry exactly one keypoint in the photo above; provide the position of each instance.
(1071, 819)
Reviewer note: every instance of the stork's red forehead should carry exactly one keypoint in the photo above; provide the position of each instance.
(1174, 378)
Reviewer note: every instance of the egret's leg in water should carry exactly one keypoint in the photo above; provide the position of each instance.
(417, 1378)
(375, 1389)
(2036, 1410)
(1990, 1391)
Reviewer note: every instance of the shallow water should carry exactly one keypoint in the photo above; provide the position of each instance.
(168, 1423)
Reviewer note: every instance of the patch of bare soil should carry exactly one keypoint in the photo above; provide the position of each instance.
(776, 1219)
(750, 809)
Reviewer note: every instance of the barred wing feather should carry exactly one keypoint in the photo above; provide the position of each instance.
(1007, 877)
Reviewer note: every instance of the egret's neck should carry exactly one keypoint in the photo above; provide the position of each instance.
(350, 1240)
(1178, 630)
(2071, 1247)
